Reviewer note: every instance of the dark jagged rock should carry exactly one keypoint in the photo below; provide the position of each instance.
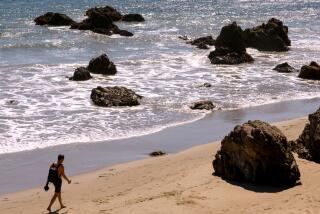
(229, 58)
(95, 20)
(133, 18)
(114, 96)
(311, 71)
(202, 105)
(99, 21)
(230, 47)
(157, 153)
(207, 40)
(272, 36)
(308, 144)
(106, 11)
(231, 37)
(284, 68)
(81, 74)
(54, 19)
(116, 30)
(258, 153)
(102, 65)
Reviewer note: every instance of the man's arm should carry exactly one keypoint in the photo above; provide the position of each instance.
(64, 175)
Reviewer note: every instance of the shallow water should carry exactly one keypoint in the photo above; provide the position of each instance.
(35, 62)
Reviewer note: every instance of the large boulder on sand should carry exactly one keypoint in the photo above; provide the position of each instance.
(284, 68)
(54, 19)
(311, 71)
(81, 74)
(102, 65)
(258, 153)
(114, 96)
(308, 143)
(272, 36)
(133, 18)
(230, 47)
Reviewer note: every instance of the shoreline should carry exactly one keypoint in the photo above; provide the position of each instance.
(175, 183)
(88, 157)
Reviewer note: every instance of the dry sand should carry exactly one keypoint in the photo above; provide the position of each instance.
(177, 183)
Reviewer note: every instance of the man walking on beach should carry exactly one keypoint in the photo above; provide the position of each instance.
(55, 173)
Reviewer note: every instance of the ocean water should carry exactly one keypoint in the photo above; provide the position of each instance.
(35, 62)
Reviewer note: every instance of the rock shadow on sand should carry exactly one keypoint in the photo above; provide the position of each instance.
(256, 187)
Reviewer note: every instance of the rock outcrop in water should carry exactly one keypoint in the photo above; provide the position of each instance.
(284, 68)
(202, 105)
(203, 42)
(308, 144)
(132, 18)
(114, 96)
(258, 153)
(102, 65)
(272, 36)
(311, 71)
(106, 11)
(230, 47)
(115, 15)
(54, 19)
(157, 153)
(100, 20)
(81, 74)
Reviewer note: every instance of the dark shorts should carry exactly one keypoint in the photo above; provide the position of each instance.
(57, 185)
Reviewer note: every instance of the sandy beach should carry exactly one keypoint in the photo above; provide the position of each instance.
(175, 183)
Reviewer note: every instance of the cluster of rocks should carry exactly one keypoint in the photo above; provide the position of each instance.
(99, 65)
(258, 153)
(231, 44)
(108, 96)
(100, 20)
(311, 71)
(308, 144)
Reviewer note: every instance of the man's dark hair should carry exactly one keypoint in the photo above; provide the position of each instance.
(60, 157)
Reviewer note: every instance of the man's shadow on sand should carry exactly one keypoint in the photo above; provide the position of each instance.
(257, 188)
(58, 212)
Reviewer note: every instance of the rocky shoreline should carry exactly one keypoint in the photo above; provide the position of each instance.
(100, 20)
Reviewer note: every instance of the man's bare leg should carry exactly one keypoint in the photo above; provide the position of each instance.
(60, 200)
(54, 197)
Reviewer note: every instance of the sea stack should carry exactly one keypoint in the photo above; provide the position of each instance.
(230, 47)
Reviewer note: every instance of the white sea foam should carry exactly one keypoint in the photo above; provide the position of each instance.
(35, 62)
